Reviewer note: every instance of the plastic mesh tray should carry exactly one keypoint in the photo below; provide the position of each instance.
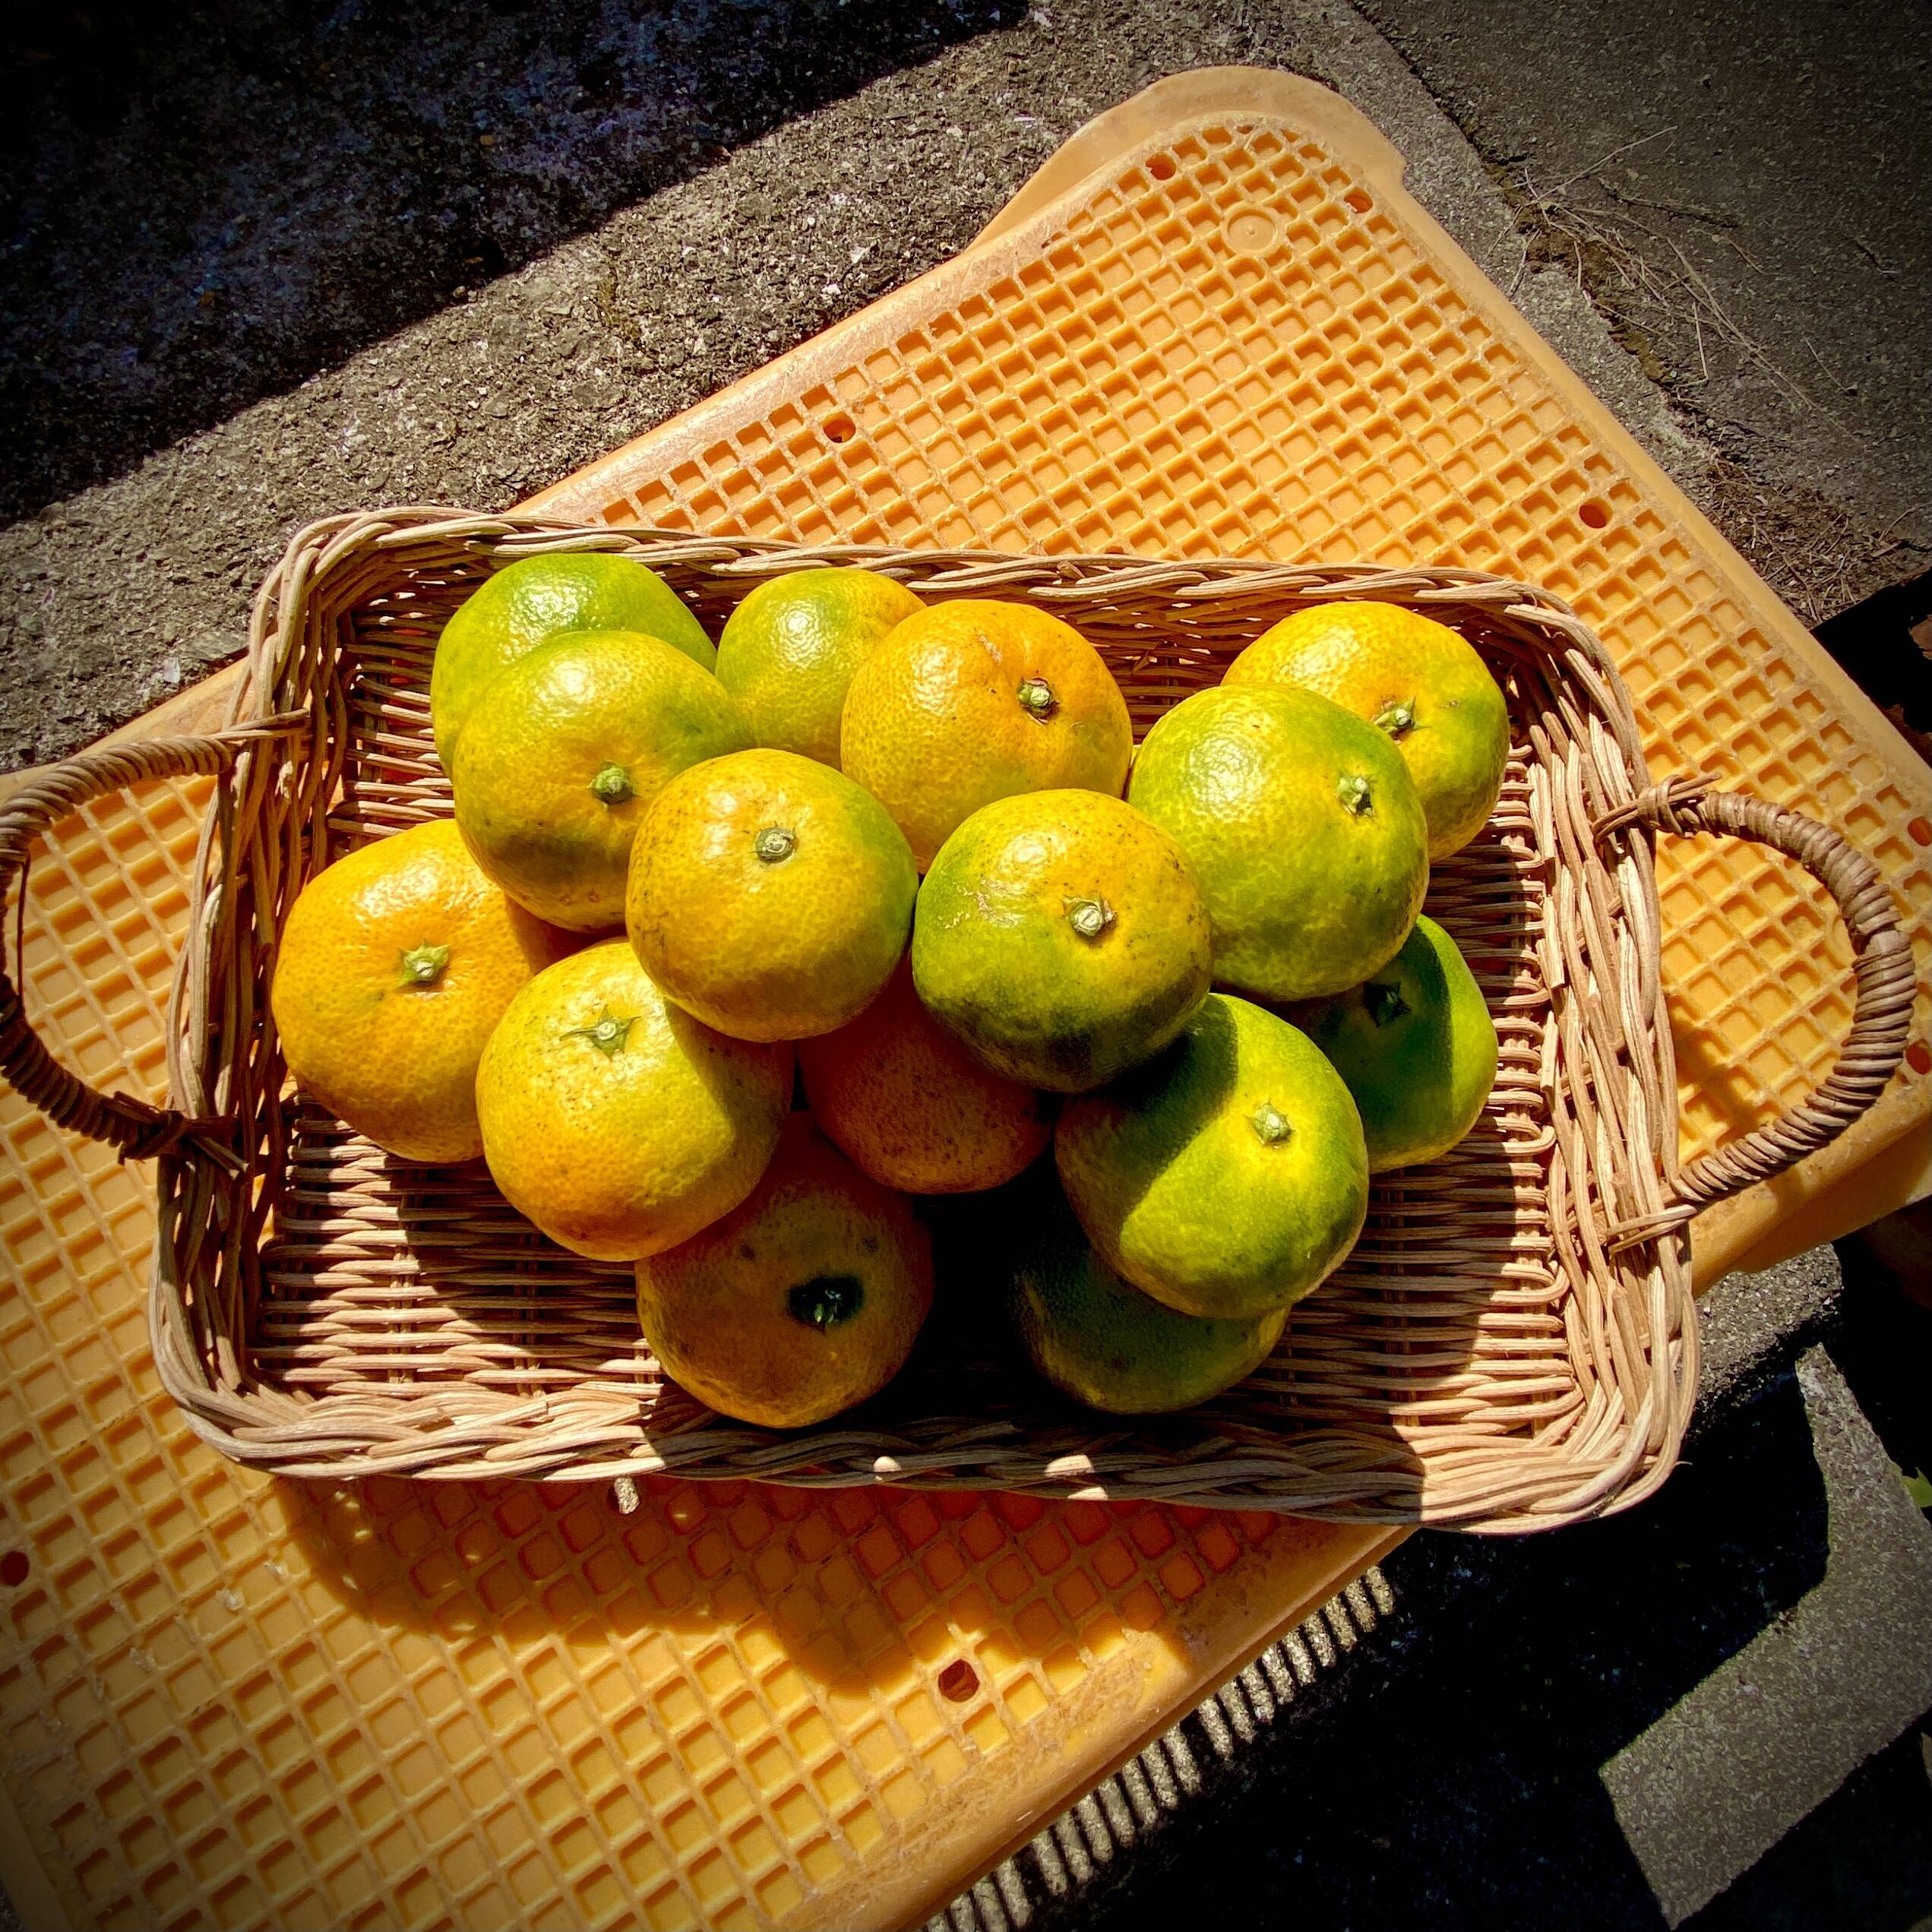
(233, 1702)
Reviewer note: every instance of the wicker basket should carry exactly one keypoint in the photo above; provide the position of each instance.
(1512, 1344)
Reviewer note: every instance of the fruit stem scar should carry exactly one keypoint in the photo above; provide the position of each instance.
(826, 1300)
(1036, 696)
(775, 842)
(1384, 1002)
(1270, 1123)
(1353, 791)
(612, 784)
(423, 966)
(1397, 717)
(608, 1036)
(1089, 918)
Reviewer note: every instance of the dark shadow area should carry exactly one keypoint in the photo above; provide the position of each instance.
(1447, 1774)
(1863, 1859)
(204, 204)
(1873, 641)
(1884, 1341)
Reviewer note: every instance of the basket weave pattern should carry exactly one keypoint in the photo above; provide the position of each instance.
(1511, 1344)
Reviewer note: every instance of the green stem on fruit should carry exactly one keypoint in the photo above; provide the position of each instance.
(1397, 717)
(1384, 1001)
(608, 1036)
(826, 1300)
(1270, 1123)
(423, 965)
(1089, 918)
(1036, 696)
(612, 786)
(775, 842)
(1353, 791)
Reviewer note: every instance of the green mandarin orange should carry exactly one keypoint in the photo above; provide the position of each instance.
(1061, 937)
(553, 775)
(770, 895)
(396, 964)
(789, 651)
(1226, 1178)
(523, 603)
(1415, 1046)
(1303, 827)
(974, 700)
(803, 1300)
(612, 1119)
(1412, 677)
(1100, 1340)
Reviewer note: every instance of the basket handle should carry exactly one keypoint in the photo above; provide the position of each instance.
(134, 1127)
(1880, 1019)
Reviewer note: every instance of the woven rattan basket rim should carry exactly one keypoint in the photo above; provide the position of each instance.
(339, 645)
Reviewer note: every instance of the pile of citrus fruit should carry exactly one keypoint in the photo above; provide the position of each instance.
(731, 950)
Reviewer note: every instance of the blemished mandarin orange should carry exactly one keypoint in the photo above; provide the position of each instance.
(789, 651)
(554, 774)
(804, 1300)
(535, 598)
(975, 700)
(769, 895)
(1062, 938)
(1412, 677)
(395, 967)
(910, 1108)
(614, 1120)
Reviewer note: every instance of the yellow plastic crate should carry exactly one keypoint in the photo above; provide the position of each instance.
(1215, 324)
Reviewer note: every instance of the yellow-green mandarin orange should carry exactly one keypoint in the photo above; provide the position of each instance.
(1412, 677)
(906, 1103)
(614, 1120)
(789, 651)
(1303, 827)
(1100, 1340)
(553, 774)
(1416, 1047)
(395, 965)
(526, 602)
(770, 895)
(975, 700)
(1061, 937)
(1228, 1177)
(804, 1300)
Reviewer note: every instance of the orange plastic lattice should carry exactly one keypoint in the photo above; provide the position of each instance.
(228, 1701)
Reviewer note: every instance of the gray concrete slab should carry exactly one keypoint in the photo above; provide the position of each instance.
(1704, 1792)
(1743, 192)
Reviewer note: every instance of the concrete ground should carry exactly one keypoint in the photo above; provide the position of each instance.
(1742, 191)
(267, 259)
(258, 263)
